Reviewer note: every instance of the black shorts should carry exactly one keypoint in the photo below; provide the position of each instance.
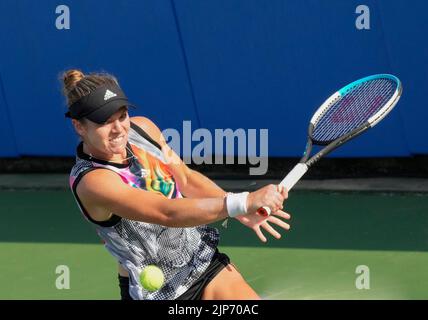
(218, 262)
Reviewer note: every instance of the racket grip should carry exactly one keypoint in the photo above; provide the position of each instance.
(288, 183)
(294, 176)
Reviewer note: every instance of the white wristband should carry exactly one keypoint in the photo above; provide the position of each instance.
(236, 203)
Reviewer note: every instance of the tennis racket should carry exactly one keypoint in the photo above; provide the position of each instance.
(348, 113)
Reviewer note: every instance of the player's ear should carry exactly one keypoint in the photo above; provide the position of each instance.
(79, 126)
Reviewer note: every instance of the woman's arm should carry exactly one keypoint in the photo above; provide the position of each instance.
(198, 186)
(103, 190)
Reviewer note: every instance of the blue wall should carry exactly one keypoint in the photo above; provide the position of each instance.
(219, 63)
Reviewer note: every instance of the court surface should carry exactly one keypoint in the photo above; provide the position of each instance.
(332, 234)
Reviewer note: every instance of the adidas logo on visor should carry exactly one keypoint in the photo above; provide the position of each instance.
(109, 95)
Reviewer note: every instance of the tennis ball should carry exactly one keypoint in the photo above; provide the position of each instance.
(152, 278)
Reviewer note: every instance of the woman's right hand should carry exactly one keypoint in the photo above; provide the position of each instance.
(272, 196)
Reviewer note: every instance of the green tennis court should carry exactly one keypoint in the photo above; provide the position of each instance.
(332, 234)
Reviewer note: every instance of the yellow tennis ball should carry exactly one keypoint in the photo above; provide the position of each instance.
(152, 278)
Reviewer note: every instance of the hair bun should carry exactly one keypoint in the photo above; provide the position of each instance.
(71, 77)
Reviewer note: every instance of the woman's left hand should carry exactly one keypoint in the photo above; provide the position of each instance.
(254, 221)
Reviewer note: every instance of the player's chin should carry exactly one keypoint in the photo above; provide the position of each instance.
(117, 146)
(116, 149)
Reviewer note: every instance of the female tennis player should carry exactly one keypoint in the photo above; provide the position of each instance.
(148, 207)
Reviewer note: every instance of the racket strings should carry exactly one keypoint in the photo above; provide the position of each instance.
(353, 109)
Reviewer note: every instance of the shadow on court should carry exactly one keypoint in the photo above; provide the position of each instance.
(351, 221)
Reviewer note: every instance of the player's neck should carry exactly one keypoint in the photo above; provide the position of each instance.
(120, 158)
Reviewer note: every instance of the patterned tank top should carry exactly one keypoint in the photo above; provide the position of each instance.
(183, 254)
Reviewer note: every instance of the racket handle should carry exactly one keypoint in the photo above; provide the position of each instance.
(264, 211)
(294, 176)
(288, 183)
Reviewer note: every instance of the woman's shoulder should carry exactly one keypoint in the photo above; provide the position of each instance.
(150, 128)
(89, 188)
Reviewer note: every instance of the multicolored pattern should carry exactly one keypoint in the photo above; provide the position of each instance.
(157, 178)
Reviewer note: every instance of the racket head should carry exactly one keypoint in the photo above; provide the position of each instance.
(356, 107)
